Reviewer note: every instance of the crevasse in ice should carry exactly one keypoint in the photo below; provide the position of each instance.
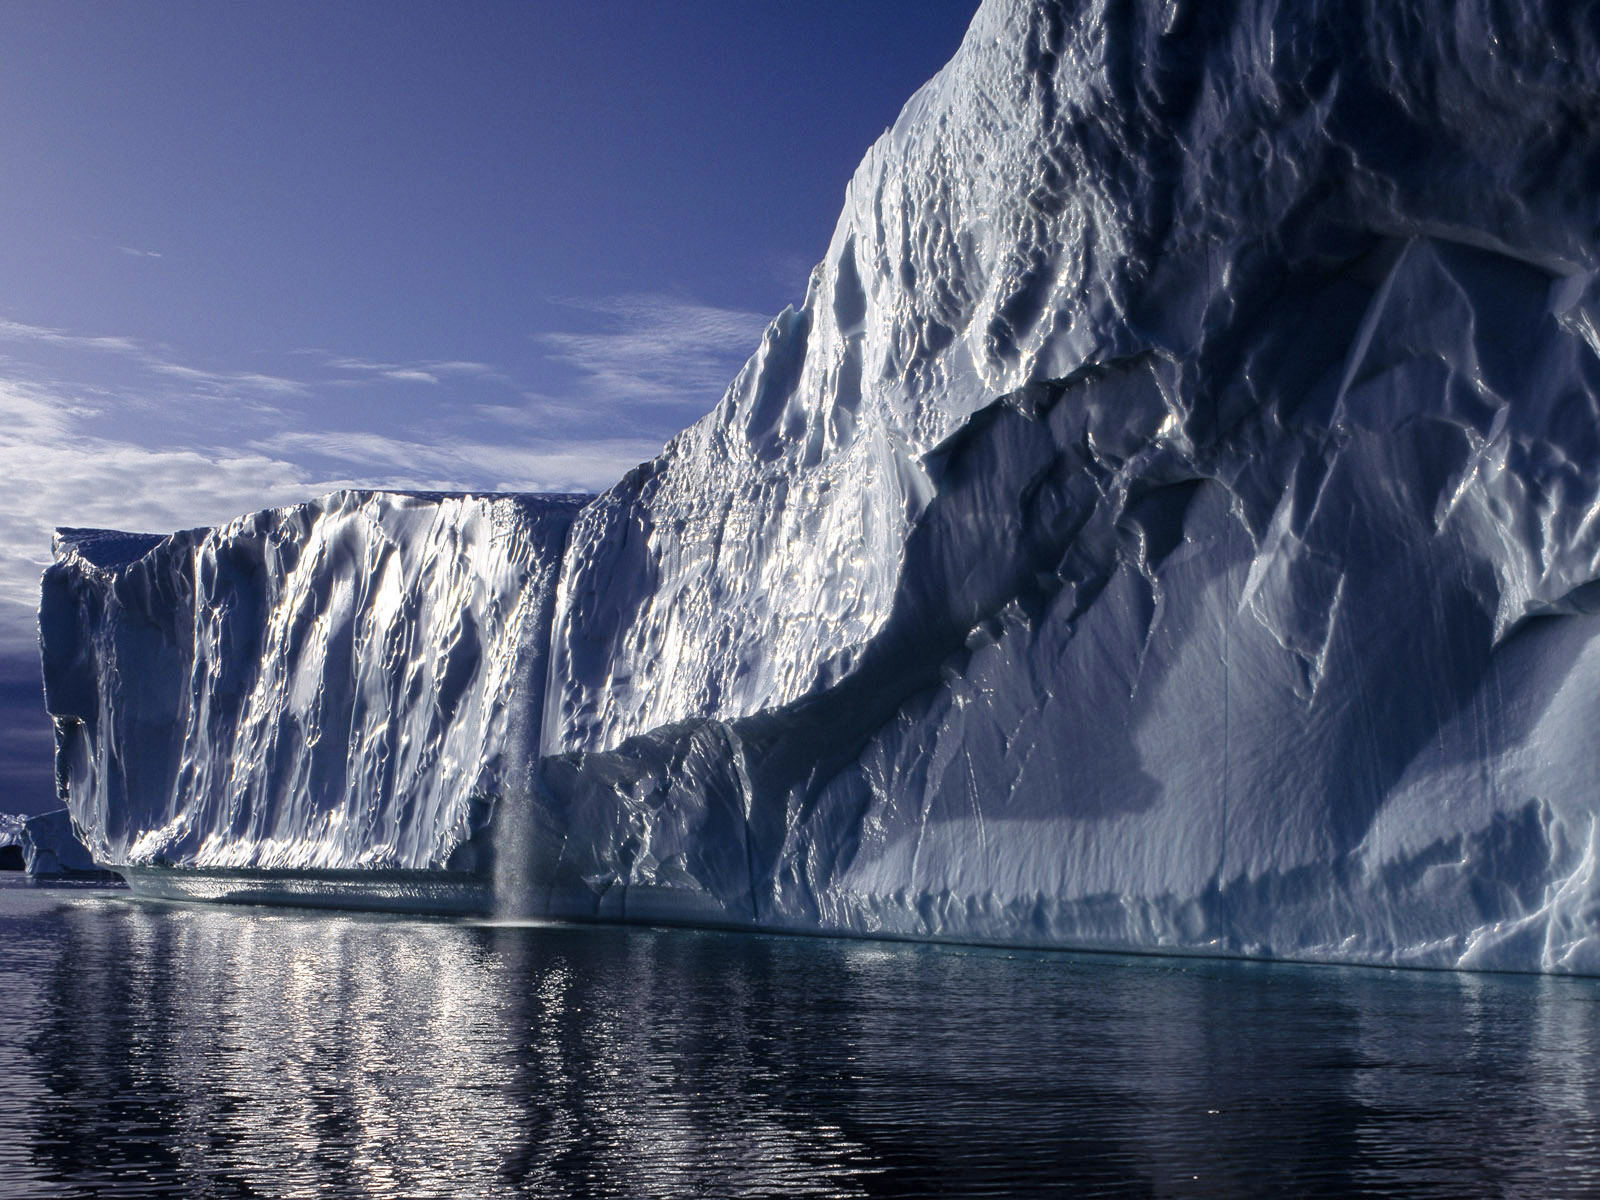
(1167, 523)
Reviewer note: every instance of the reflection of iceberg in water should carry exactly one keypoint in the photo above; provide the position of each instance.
(285, 1054)
(372, 1058)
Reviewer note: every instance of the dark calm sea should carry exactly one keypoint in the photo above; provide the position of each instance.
(163, 1050)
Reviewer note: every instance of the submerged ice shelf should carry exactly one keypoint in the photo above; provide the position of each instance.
(1168, 523)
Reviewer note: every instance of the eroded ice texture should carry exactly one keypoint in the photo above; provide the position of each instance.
(346, 682)
(1168, 522)
(11, 856)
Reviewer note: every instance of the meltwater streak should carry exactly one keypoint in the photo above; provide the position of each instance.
(513, 874)
(515, 824)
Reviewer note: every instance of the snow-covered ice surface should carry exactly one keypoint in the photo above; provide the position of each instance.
(346, 682)
(1169, 522)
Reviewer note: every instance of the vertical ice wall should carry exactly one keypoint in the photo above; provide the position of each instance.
(326, 685)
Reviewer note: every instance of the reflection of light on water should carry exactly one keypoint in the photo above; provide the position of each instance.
(197, 1050)
(308, 1053)
(311, 1052)
(23, 1008)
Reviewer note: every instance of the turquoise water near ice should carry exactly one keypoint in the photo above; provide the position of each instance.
(156, 1049)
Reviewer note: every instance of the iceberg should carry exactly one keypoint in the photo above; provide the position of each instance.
(52, 849)
(11, 857)
(1167, 524)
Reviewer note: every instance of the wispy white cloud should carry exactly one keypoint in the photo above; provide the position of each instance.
(650, 351)
(792, 271)
(225, 380)
(432, 371)
(466, 464)
(119, 445)
(657, 349)
(16, 331)
(65, 464)
(135, 252)
(459, 367)
(399, 372)
(149, 357)
(59, 472)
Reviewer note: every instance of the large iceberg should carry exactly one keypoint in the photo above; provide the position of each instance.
(1169, 522)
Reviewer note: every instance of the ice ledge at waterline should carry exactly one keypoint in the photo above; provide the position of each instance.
(341, 683)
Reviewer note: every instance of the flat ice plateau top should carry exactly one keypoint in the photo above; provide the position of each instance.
(1169, 522)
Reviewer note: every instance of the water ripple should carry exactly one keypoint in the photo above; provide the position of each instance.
(158, 1050)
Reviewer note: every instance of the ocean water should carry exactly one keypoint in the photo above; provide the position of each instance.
(157, 1049)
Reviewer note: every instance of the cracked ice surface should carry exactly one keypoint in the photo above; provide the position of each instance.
(1080, 185)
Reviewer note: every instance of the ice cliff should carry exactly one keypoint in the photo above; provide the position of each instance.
(1168, 522)
(341, 683)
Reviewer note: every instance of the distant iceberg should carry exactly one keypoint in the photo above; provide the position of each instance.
(51, 848)
(11, 858)
(1169, 523)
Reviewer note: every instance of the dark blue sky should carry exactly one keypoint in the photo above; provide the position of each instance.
(252, 251)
